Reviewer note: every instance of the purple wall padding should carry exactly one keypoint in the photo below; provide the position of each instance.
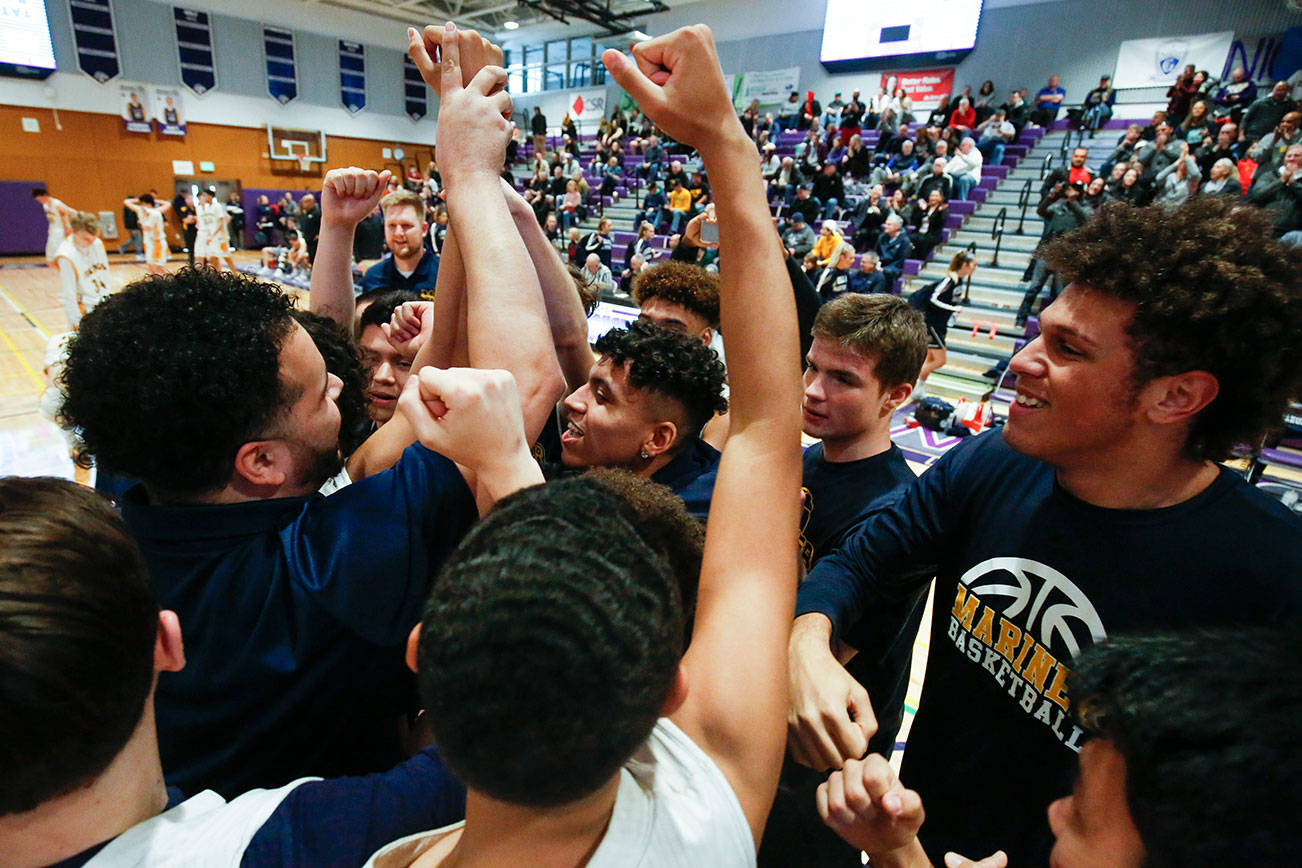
(249, 199)
(23, 228)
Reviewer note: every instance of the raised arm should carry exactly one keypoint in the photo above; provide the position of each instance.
(737, 697)
(347, 196)
(506, 321)
(134, 204)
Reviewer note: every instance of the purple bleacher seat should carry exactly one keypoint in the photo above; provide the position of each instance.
(1017, 150)
(952, 220)
(1278, 456)
(960, 207)
(988, 184)
(911, 267)
(989, 171)
(623, 237)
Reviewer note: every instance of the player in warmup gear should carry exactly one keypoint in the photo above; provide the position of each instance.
(153, 230)
(211, 247)
(57, 215)
(83, 267)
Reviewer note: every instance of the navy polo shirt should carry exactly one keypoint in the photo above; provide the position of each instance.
(295, 613)
(691, 475)
(385, 275)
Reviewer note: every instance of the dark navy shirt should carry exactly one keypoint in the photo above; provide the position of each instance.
(1027, 576)
(385, 275)
(295, 613)
(691, 475)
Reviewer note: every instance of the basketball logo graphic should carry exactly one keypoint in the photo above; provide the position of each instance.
(1047, 602)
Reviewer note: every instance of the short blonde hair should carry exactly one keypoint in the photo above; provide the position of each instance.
(401, 198)
(84, 221)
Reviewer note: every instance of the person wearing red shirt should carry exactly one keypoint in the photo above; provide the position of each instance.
(963, 120)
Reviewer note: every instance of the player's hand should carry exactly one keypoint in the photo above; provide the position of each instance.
(869, 808)
(410, 327)
(474, 120)
(692, 234)
(831, 717)
(426, 50)
(997, 859)
(349, 195)
(677, 82)
(468, 415)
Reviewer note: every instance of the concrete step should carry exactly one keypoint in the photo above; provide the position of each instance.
(1000, 277)
(996, 348)
(985, 221)
(1010, 244)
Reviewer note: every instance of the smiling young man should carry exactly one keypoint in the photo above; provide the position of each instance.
(388, 365)
(412, 266)
(1098, 509)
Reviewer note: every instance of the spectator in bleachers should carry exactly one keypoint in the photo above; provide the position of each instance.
(642, 245)
(1097, 109)
(680, 204)
(1149, 133)
(1075, 172)
(807, 151)
(832, 111)
(1047, 102)
(798, 239)
(898, 203)
(1016, 111)
(1132, 189)
(636, 265)
(1179, 180)
(600, 242)
(596, 275)
(569, 205)
(653, 206)
(1236, 95)
(899, 168)
(936, 181)
(1226, 146)
(1180, 96)
(852, 117)
(1125, 150)
(890, 141)
(806, 204)
(699, 188)
(790, 116)
(965, 168)
(834, 279)
(939, 116)
(1196, 123)
(611, 175)
(829, 239)
(1265, 114)
(653, 158)
(1062, 211)
(866, 218)
(676, 173)
(995, 133)
(538, 126)
(984, 101)
(1281, 192)
(893, 247)
(809, 112)
(868, 277)
(552, 229)
(940, 147)
(829, 190)
(856, 163)
(1095, 194)
(927, 223)
(964, 118)
(568, 163)
(569, 129)
(1223, 180)
(770, 162)
(1164, 151)
(876, 105)
(835, 150)
(1269, 152)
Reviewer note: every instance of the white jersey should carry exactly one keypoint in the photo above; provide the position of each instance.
(202, 831)
(211, 242)
(674, 809)
(155, 235)
(88, 283)
(58, 229)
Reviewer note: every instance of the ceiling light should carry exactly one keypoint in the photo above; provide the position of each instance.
(639, 36)
(511, 25)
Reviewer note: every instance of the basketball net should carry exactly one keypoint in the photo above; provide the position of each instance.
(304, 164)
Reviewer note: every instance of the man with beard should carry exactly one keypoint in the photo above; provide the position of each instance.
(297, 606)
(411, 266)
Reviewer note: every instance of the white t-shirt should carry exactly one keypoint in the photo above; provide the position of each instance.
(202, 831)
(674, 809)
(86, 283)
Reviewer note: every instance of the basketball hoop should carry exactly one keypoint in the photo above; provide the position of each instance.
(304, 164)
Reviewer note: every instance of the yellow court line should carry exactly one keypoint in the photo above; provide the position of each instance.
(23, 311)
(40, 381)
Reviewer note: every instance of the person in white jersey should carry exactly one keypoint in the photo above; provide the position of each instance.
(57, 215)
(153, 230)
(211, 246)
(582, 731)
(83, 268)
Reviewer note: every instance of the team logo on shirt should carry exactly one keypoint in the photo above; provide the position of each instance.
(1020, 620)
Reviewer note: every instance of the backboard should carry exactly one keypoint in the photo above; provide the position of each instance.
(304, 147)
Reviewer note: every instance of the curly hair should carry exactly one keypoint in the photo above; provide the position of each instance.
(672, 364)
(169, 377)
(1212, 292)
(683, 284)
(549, 644)
(343, 360)
(1184, 709)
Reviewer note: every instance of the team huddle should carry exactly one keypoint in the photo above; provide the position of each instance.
(506, 598)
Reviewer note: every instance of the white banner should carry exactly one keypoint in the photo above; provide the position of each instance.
(1159, 62)
(770, 88)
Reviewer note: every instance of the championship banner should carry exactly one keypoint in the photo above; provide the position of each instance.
(282, 75)
(926, 87)
(167, 111)
(194, 49)
(135, 108)
(95, 38)
(771, 88)
(1159, 62)
(415, 93)
(352, 75)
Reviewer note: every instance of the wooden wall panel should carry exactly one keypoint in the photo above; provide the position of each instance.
(92, 163)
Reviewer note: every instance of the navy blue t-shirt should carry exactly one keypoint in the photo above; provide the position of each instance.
(295, 613)
(691, 475)
(1027, 576)
(385, 275)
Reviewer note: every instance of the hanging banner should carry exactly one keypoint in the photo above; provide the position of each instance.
(282, 76)
(135, 108)
(771, 88)
(352, 75)
(1159, 62)
(194, 50)
(167, 111)
(95, 38)
(415, 94)
(926, 87)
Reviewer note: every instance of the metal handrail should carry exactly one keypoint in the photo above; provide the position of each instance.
(967, 286)
(1046, 165)
(997, 233)
(1023, 200)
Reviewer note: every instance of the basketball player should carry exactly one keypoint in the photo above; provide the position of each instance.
(83, 267)
(57, 215)
(152, 228)
(211, 247)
